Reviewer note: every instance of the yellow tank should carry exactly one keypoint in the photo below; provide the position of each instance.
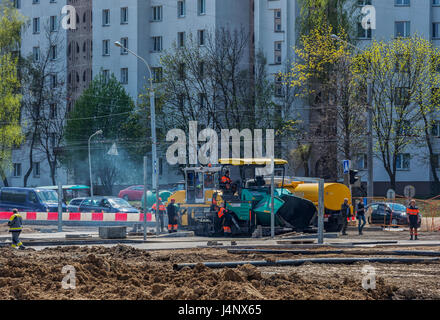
(334, 193)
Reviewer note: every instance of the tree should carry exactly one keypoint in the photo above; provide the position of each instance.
(44, 102)
(427, 98)
(401, 77)
(11, 23)
(322, 74)
(214, 85)
(105, 106)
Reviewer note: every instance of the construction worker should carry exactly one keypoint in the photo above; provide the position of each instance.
(160, 214)
(15, 224)
(226, 181)
(413, 218)
(172, 216)
(361, 216)
(226, 220)
(345, 214)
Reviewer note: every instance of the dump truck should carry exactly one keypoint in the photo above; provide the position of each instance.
(249, 203)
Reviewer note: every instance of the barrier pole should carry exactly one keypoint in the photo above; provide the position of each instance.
(60, 206)
(145, 198)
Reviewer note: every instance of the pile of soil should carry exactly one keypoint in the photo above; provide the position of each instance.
(123, 272)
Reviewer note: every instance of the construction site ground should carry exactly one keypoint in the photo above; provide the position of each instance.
(146, 270)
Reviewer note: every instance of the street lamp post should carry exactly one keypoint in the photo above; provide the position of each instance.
(370, 187)
(90, 162)
(153, 131)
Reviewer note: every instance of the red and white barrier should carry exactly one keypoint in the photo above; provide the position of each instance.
(81, 216)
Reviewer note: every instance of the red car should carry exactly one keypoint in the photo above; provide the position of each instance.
(133, 193)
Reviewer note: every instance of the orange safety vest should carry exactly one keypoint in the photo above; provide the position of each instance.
(226, 179)
(412, 211)
(161, 207)
(221, 212)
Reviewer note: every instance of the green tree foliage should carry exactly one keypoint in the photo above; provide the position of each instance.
(10, 130)
(403, 81)
(105, 106)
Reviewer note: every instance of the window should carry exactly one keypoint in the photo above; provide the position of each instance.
(124, 15)
(277, 20)
(403, 128)
(36, 169)
(181, 39)
(181, 8)
(17, 4)
(53, 81)
(156, 13)
(402, 29)
(106, 75)
(36, 53)
(124, 42)
(201, 37)
(202, 100)
(53, 24)
(157, 74)
(435, 128)
(181, 71)
(201, 70)
(401, 96)
(436, 2)
(402, 2)
(124, 75)
(436, 30)
(53, 111)
(35, 1)
(362, 162)
(363, 33)
(278, 45)
(201, 7)
(15, 196)
(364, 2)
(17, 169)
(105, 47)
(106, 17)
(36, 25)
(157, 44)
(53, 52)
(403, 161)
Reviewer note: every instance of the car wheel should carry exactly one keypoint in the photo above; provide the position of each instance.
(126, 198)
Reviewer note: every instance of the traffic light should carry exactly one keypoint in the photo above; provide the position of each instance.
(353, 176)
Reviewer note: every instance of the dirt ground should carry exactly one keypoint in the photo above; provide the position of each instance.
(123, 272)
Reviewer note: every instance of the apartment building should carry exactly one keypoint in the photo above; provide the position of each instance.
(150, 27)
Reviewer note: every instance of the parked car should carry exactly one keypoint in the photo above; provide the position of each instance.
(387, 213)
(29, 200)
(101, 204)
(74, 204)
(133, 193)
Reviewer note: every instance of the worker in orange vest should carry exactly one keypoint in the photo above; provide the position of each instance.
(160, 214)
(413, 218)
(226, 220)
(173, 216)
(225, 181)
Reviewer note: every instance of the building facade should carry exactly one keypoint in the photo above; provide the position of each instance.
(149, 27)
